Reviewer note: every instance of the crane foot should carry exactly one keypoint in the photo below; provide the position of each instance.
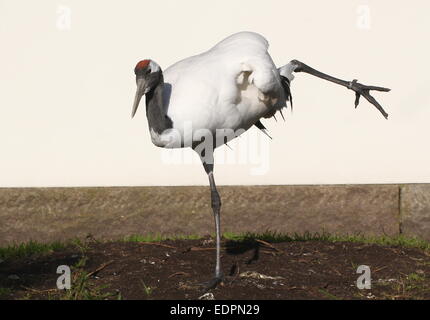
(212, 284)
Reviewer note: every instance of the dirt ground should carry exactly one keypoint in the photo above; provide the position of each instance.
(254, 269)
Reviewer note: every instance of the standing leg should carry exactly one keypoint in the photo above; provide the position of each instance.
(216, 207)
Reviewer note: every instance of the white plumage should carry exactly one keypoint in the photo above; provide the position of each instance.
(230, 86)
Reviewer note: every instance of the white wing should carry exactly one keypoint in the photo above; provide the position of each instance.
(230, 86)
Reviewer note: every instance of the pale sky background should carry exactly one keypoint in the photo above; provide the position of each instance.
(66, 91)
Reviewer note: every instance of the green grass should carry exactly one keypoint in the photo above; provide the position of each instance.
(328, 295)
(4, 292)
(28, 249)
(158, 238)
(146, 289)
(32, 247)
(275, 237)
(381, 240)
(416, 282)
(416, 277)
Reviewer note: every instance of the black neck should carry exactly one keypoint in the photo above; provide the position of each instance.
(155, 112)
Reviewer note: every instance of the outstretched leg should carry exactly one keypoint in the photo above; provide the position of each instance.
(358, 88)
(216, 207)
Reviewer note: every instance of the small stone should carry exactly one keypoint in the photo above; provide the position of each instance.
(207, 296)
(387, 280)
(207, 242)
(13, 277)
(256, 275)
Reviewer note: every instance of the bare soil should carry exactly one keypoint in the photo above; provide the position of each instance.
(254, 269)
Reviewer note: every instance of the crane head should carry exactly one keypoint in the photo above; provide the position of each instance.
(148, 76)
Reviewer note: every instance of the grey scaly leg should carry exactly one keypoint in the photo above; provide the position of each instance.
(216, 207)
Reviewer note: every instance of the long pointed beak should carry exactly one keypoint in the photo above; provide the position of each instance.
(140, 91)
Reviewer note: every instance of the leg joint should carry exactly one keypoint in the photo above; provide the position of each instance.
(216, 200)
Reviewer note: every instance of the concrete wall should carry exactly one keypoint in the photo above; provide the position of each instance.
(46, 214)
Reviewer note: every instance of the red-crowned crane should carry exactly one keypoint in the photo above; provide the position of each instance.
(225, 90)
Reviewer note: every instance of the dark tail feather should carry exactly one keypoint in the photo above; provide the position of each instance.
(260, 126)
(286, 85)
